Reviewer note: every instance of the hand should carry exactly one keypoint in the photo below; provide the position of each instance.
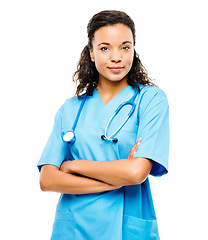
(134, 148)
(66, 166)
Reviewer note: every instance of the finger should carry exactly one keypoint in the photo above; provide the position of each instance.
(136, 145)
(131, 155)
(139, 141)
(134, 148)
(132, 152)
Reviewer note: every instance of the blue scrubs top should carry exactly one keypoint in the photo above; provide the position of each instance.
(125, 213)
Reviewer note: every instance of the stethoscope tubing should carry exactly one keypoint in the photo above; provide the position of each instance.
(130, 102)
(70, 135)
(79, 112)
(106, 128)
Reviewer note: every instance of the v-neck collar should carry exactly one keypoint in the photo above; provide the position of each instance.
(114, 98)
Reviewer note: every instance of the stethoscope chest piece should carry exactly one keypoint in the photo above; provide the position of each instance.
(69, 137)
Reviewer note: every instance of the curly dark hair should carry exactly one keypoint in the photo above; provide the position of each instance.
(86, 76)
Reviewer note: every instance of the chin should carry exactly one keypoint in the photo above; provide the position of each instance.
(116, 78)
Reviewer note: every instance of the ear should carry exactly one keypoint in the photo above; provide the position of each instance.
(92, 55)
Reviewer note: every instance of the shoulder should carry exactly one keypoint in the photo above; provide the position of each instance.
(70, 104)
(68, 107)
(150, 92)
(151, 97)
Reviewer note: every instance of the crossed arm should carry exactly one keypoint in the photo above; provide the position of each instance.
(85, 176)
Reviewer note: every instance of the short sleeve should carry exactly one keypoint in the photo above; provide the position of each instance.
(153, 116)
(55, 151)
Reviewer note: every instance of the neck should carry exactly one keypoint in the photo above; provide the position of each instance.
(109, 89)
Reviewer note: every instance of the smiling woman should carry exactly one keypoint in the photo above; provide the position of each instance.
(103, 173)
(113, 33)
(113, 59)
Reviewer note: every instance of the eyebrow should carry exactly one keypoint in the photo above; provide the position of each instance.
(127, 42)
(105, 43)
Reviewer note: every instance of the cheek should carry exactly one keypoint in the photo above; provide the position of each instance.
(129, 62)
(98, 65)
(100, 61)
(132, 58)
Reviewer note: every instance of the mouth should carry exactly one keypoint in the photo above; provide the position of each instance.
(116, 69)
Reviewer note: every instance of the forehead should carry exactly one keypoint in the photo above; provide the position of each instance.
(113, 34)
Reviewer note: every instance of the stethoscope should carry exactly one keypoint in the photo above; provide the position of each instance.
(69, 136)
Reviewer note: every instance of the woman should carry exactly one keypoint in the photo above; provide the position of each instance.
(105, 189)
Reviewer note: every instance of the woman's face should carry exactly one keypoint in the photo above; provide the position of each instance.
(113, 52)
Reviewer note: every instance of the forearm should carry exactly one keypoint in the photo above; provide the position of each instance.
(118, 172)
(52, 179)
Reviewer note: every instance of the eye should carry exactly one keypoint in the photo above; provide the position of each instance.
(104, 49)
(126, 47)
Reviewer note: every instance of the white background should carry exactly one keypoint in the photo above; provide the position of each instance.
(40, 45)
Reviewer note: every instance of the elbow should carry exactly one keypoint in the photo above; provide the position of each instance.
(45, 180)
(139, 170)
(46, 185)
(43, 184)
(138, 173)
(43, 187)
(137, 177)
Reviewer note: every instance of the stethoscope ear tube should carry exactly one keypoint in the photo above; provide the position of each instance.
(118, 109)
(69, 136)
(103, 137)
(115, 140)
(132, 109)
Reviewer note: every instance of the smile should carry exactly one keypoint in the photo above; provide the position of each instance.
(116, 69)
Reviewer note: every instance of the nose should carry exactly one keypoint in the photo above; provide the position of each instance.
(115, 56)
